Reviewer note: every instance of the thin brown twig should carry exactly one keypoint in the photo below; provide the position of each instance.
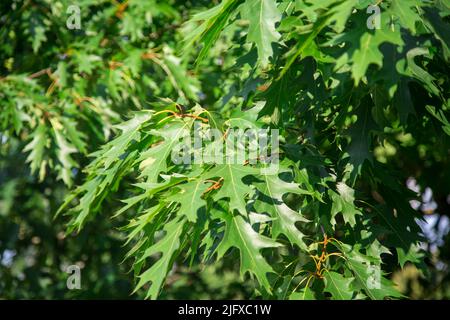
(47, 71)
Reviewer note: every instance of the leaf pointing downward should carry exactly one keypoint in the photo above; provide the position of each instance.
(168, 246)
(37, 147)
(240, 234)
(273, 189)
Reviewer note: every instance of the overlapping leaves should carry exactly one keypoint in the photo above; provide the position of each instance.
(338, 90)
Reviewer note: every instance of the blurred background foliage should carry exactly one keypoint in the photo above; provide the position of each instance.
(90, 79)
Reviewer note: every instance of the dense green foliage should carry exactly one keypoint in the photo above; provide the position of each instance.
(96, 113)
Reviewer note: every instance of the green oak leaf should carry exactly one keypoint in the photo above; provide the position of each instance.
(343, 202)
(272, 190)
(368, 274)
(263, 16)
(65, 149)
(130, 131)
(167, 247)
(363, 45)
(189, 196)
(240, 234)
(360, 133)
(232, 186)
(338, 286)
(154, 160)
(36, 147)
(212, 23)
(406, 12)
